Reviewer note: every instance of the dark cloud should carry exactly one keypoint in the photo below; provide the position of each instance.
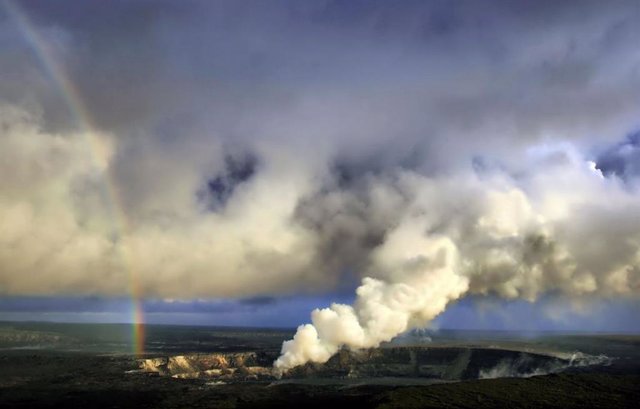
(143, 64)
(70, 304)
(43, 305)
(258, 301)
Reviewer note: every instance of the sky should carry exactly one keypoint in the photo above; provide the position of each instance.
(452, 164)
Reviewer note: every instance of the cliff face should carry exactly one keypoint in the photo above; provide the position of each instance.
(226, 366)
(414, 362)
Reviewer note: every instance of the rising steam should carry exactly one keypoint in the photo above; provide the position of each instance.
(382, 309)
(516, 238)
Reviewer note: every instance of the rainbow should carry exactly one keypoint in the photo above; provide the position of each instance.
(73, 100)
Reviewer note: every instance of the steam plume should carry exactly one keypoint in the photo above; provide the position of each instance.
(516, 238)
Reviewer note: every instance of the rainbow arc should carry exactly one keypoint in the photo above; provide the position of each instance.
(70, 94)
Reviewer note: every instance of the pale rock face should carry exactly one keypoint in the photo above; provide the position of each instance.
(242, 365)
(154, 365)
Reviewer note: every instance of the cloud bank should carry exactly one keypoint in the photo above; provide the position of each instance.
(431, 150)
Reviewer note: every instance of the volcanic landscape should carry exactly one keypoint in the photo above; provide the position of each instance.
(81, 365)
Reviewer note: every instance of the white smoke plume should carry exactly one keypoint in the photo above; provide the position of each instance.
(382, 309)
(514, 237)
